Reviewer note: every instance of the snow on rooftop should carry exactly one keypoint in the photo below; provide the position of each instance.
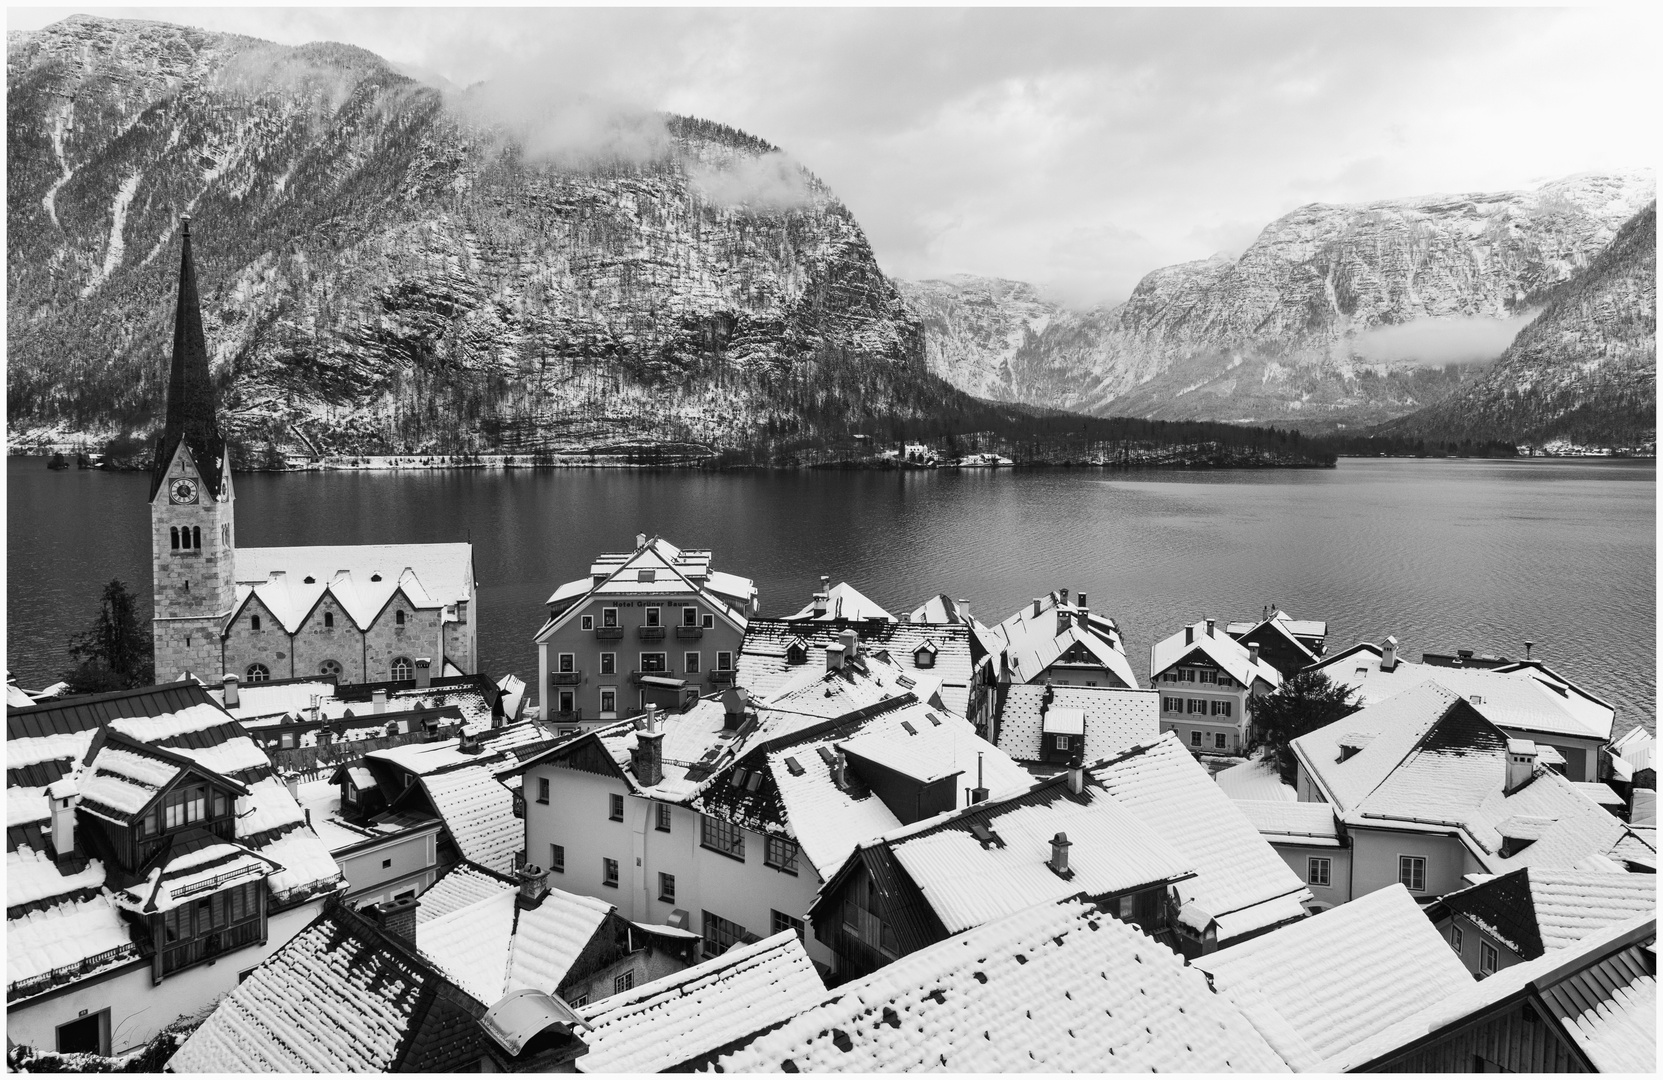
(1114, 719)
(1620, 1035)
(64, 934)
(270, 807)
(478, 811)
(26, 804)
(1571, 904)
(1222, 649)
(550, 937)
(845, 602)
(1382, 960)
(901, 753)
(1292, 822)
(21, 753)
(672, 1020)
(1236, 869)
(151, 729)
(471, 946)
(461, 886)
(304, 860)
(32, 876)
(1255, 779)
(1052, 988)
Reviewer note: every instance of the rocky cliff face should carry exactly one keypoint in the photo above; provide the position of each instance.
(1584, 373)
(1291, 332)
(386, 271)
(974, 328)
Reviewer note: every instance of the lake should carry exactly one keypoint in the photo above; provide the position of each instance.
(1445, 554)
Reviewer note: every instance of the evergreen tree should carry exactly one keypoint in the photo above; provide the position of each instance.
(1303, 703)
(115, 654)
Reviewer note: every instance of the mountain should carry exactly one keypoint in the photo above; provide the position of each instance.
(974, 327)
(1331, 317)
(1583, 373)
(386, 268)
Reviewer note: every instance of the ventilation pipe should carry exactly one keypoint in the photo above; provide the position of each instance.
(63, 796)
(978, 794)
(1059, 854)
(233, 699)
(1527, 647)
(1388, 655)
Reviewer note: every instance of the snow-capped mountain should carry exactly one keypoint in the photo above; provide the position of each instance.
(385, 268)
(1290, 332)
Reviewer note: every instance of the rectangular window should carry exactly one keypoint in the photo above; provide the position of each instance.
(690, 616)
(586, 622)
(721, 935)
(653, 617)
(1455, 938)
(1220, 740)
(1225, 708)
(609, 702)
(692, 663)
(654, 661)
(1195, 738)
(1317, 871)
(568, 663)
(623, 982)
(663, 817)
(222, 805)
(1411, 871)
(185, 806)
(568, 701)
(782, 922)
(724, 661)
(667, 888)
(615, 807)
(1486, 958)
(780, 853)
(1059, 742)
(708, 622)
(543, 790)
(557, 858)
(722, 836)
(609, 663)
(609, 870)
(609, 617)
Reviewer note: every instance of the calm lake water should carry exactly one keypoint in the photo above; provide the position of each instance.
(1444, 554)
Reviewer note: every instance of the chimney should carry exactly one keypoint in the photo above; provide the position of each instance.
(1050, 694)
(840, 768)
(291, 781)
(1189, 635)
(424, 673)
(63, 796)
(1065, 619)
(834, 658)
(1388, 655)
(822, 598)
(1521, 764)
(1209, 628)
(640, 540)
(468, 744)
(1038, 606)
(1527, 647)
(534, 885)
(978, 794)
(314, 710)
(1076, 779)
(1059, 855)
(1062, 596)
(378, 702)
(964, 609)
(397, 919)
(649, 752)
(851, 644)
(735, 700)
(1253, 653)
(232, 700)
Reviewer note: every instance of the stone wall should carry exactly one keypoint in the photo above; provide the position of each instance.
(192, 588)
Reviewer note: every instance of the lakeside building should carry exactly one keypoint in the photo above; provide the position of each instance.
(1286, 643)
(152, 858)
(1207, 681)
(1525, 698)
(1050, 727)
(652, 625)
(840, 603)
(364, 613)
(1425, 790)
(1065, 643)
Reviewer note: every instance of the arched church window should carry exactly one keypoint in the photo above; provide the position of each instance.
(196, 536)
(254, 622)
(331, 668)
(258, 673)
(173, 536)
(329, 619)
(403, 669)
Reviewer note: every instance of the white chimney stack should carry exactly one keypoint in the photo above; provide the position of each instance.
(232, 699)
(1521, 764)
(1076, 780)
(834, 658)
(63, 797)
(640, 540)
(424, 672)
(378, 702)
(1388, 655)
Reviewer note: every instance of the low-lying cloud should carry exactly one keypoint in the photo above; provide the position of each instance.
(1437, 341)
(773, 182)
(562, 127)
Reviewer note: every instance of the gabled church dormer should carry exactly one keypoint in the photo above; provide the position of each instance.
(193, 531)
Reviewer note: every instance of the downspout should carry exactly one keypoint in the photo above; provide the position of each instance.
(364, 643)
(291, 656)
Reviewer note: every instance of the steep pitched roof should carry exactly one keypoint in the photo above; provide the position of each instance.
(1033, 644)
(1229, 654)
(362, 578)
(493, 946)
(1254, 779)
(1241, 881)
(674, 1020)
(656, 567)
(764, 667)
(1381, 960)
(1534, 910)
(1053, 988)
(191, 420)
(844, 603)
(1115, 718)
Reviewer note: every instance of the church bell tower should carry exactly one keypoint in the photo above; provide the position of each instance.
(192, 531)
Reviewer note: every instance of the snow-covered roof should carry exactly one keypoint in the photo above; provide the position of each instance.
(673, 1020)
(1380, 960)
(1114, 719)
(1032, 646)
(1052, 988)
(493, 946)
(1230, 655)
(361, 579)
(939, 610)
(460, 886)
(478, 812)
(967, 882)
(1255, 779)
(656, 568)
(1611, 1018)
(765, 669)
(1238, 873)
(845, 603)
(64, 935)
(1305, 823)
(1535, 910)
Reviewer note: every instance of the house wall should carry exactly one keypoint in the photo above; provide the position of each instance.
(1062, 674)
(1374, 860)
(1298, 857)
(413, 865)
(586, 649)
(1172, 684)
(270, 645)
(461, 636)
(138, 1007)
(1471, 936)
(745, 892)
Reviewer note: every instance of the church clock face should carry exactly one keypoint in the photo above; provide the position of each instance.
(182, 491)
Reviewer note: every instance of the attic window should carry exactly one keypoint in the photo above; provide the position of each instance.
(646, 575)
(738, 778)
(375, 577)
(754, 782)
(826, 755)
(907, 724)
(310, 580)
(934, 719)
(794, 767)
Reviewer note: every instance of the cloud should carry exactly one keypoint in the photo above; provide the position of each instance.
(1434, 342)
(772, 181)
(563, 127)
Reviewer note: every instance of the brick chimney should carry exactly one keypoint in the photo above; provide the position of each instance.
(396, 918)
(424, 672)
(534, 885)
(649, 752)
(63, 796)
(232, 699)
(1388, 655)
(1521, 764)
(1059, 855)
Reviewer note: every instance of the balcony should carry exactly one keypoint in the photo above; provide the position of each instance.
(721, 678)
(650, 633)
(609, 633)
(689, 632)
(566, 678)
(636, 676)
(196, 950)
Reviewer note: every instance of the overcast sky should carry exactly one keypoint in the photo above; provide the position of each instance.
(1075, 148)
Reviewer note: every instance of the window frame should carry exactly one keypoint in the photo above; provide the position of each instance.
(256, 673)
(722, 837)
(1457, 938)
(1059, 742)
(1312, 862)
(585, 622)
(1195, 739)
(663, 818)
(724, 661)
(609, 663)
(653, 616)
(609, 618)
(543, 790)
(781, 853)
(1221, 741)
(779, 921)
(707, 621)
(1406, 867)
(690, 663)
(666, 887)
(689, 616)
(663, 663)
(1489, 957)
(406, 664)
(557, 858)
(614, 806)
(565, 663)
(624, 980)
(610, 870)
(608, 692)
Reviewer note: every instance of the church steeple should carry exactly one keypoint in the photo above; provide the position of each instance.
(190, 394)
